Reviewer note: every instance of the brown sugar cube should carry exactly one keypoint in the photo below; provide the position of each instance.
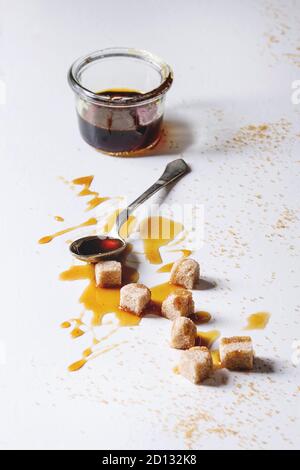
(236, 353)
(108, 273)
(183, 333)
(178, 304)
(134, 298)
(196, 364)
(185, 272)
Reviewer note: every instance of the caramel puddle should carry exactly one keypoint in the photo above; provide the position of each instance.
(207, 338)
(160, 292)
(100, 300)
(167, 268)
(201, 317)
(156, 232)
(77, 272)
(126, 229)
(49, 238)
(257, 321)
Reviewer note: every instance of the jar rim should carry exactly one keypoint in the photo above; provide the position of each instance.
(157, 63)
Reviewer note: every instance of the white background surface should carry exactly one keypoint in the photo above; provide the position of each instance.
(234, 63)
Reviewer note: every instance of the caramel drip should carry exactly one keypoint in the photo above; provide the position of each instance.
(95, 202)
(88, 355)
(77, 272)
(87, 352)
(216, 359)
(77, 365)
(156, 232)
(49, 238)
(77, 332)
(86, 182)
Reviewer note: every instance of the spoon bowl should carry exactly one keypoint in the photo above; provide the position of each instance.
(96, 248)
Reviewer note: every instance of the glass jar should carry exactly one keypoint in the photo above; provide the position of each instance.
(120, 95)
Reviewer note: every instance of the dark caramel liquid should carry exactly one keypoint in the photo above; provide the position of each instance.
(118, 130)
(96, 245)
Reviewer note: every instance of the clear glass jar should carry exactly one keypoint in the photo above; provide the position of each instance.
(120, 95)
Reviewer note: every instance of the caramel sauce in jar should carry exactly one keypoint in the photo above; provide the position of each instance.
(120, 130)
(120, 96)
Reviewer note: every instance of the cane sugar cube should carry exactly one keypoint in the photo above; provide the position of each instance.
(183, 333)
(185, 272)
(236, 353)
(178, 304)
(134, 298)
(108, 274)
(196, 364)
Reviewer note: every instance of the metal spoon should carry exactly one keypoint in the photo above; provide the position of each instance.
(100, 247)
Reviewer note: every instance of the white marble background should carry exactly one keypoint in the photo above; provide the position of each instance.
(234, 65)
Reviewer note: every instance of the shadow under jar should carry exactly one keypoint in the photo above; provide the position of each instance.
(120, 95)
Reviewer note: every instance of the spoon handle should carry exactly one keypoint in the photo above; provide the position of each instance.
(173, 170)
